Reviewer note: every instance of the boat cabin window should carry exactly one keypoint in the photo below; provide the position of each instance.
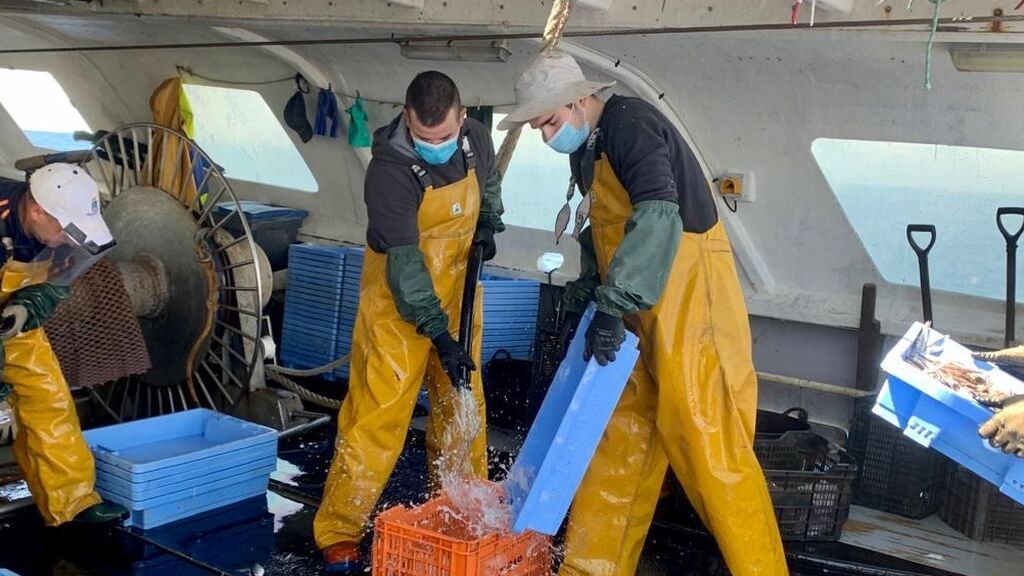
(884, 186)
(243, 135)
(41, 108)
(533, 190)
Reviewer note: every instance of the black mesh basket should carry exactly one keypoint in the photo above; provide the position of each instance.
(897, 475)
(979, 510)
(810, 485)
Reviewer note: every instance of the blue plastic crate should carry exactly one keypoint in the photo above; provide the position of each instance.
(565, 434)
(172, 481)
(349, 301)
(168, 467)
(232, 538)
(510, 314)
(196, 503)
(152, 445)
(936, 416)
(313, 327)
(210, 482)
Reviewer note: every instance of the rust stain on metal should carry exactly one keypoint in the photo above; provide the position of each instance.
(997, 25)
(858, 527)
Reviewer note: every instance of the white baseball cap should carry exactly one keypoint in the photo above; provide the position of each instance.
(68, 193)
(551, 80)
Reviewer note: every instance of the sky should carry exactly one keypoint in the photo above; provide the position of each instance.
(37, 102)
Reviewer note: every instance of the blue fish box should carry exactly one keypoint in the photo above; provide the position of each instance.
(565, 433)
(510, 315)
(170, 467)
(936, 416)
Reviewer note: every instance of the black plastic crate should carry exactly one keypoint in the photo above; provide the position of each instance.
(511, 394)
(810, 485)
(979, 510)
(897, 475)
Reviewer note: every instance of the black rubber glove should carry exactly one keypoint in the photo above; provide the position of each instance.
(453, 357)
(485, 237)
(604, 337)
(567, 330)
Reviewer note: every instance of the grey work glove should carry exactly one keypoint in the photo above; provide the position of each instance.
(1012, 357)
(1005, 430)
(604, 337)
(12, 320)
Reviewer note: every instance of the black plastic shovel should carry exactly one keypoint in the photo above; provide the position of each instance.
(1011, 267)
(922, 264)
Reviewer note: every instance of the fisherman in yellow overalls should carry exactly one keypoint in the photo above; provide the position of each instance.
(656, 259)
(52, 231)
(432, 191)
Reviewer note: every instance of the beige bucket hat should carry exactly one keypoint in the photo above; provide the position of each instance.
(550, 81)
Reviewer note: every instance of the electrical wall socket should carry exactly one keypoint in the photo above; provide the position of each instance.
(737, 185)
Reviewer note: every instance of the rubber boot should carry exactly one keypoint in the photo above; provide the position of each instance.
(102, 513)
(343, 558)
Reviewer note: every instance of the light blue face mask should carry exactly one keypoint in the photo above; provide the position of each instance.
(436, 154)
(569, 138)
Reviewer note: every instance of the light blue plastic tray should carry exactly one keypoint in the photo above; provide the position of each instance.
(147, 448)
(937, 417)
(565, 434)
(229, 467)
(157, 500)
(196, 503)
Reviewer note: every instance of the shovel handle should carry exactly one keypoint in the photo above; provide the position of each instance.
(476, 263)
(918, 228)
(1011, 268)
(922, 264)
(1011, 238)
(36, 162)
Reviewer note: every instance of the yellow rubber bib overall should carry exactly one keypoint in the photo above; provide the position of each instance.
(390, 361)
(690, 403)
(48, 446)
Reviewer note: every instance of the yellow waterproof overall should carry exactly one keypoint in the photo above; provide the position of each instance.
(48, 446)
(390, 361)
(690, 403)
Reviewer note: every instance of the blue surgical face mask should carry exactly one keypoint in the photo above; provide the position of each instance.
(436, 154)
(569, 138)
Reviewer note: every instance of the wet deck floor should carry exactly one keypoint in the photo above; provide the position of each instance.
(273, 535)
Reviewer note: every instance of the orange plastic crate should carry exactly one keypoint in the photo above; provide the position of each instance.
(429, 540)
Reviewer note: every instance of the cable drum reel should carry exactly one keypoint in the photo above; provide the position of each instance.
(197, 290)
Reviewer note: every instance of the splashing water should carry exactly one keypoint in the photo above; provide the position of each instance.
(479, 504)
(459, 435)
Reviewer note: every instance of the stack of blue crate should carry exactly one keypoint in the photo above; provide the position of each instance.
(171, 467)
(510, 315)
(323, 296)
(349, 301)
(313, 327)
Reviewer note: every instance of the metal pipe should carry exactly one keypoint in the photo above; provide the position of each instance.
(13, 505)
(816, 386)
(320, 420)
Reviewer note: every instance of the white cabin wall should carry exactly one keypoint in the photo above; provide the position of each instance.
(750, 101)
(757, 101)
